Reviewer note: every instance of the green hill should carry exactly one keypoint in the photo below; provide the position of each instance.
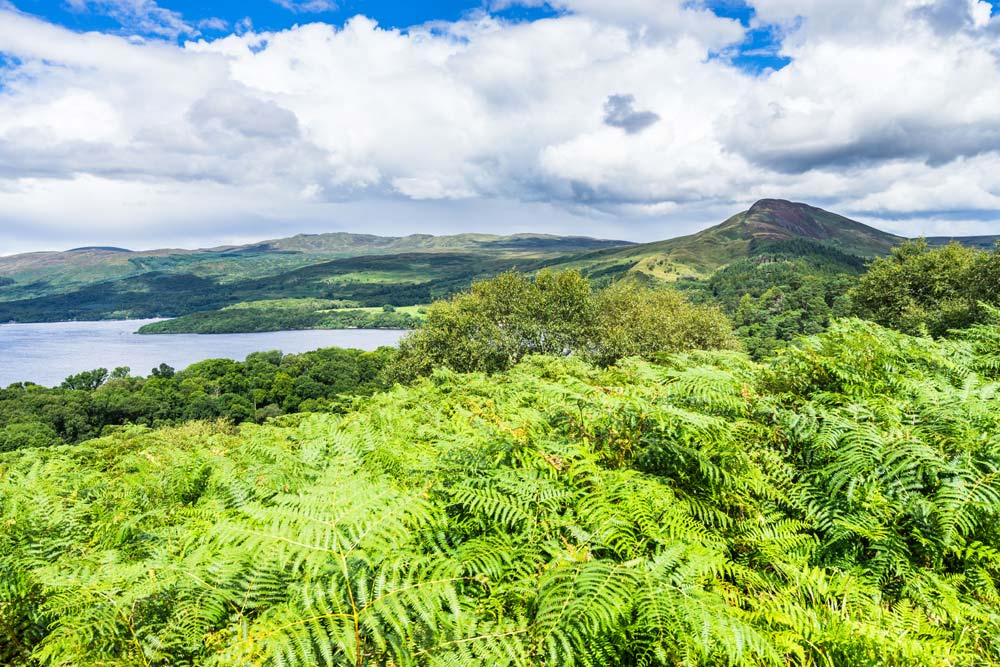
(103, 283)
(345, 244)
(768, 224)
(82, 272)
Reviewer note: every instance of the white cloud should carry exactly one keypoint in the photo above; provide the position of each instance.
(213, 23)
(649, 20)
(313, 6)
(981, 11)
(140, 16)
(891, 117)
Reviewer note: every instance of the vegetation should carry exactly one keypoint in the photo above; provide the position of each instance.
(919, 289)
(267, 384)
(834, 506)
(289, 315)
(785, 290)
(498, 322)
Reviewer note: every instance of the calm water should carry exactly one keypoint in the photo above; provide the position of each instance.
(47, 353)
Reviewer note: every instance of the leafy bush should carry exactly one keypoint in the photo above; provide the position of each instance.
(637, 322)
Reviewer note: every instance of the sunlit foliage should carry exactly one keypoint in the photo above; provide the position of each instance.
(919, 289)
(836, 505)
(500, 321)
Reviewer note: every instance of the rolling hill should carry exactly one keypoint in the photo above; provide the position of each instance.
(343, 244)
(981, 242)
(48, 274)
(369, 271)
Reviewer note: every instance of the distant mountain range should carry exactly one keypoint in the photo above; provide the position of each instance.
(108, 282)
(344, 244)
(981, 242)
(41, 274)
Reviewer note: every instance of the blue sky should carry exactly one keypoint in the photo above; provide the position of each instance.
(268, 15)
(145, 123)
(757, 53)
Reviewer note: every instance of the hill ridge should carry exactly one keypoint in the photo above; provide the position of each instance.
(96, 283)
(740, 236)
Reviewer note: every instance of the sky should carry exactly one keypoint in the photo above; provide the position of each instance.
(188, 123)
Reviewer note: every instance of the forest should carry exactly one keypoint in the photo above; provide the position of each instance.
(794, 463)
(289, 315)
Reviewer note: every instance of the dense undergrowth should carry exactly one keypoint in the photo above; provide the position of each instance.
(834, 505)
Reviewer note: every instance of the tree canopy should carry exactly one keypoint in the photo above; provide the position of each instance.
(500, 321)
(920, 289)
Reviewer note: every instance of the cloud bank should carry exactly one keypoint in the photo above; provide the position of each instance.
(614, 119)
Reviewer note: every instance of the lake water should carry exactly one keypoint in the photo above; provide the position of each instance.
(47, 353)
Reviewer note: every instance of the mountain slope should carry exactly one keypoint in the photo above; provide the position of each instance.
(45, 274)
(368, 270)
(764, 226)
(345, 244)
(981, 242)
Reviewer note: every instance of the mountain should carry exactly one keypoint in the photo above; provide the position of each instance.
(765, 226)
(345, 244)
(44, 274)
(366, 271)
(981, 242)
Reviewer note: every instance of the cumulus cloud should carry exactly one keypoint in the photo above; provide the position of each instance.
(913, 94)
(649, 20)
(889, 117)
(949, 16)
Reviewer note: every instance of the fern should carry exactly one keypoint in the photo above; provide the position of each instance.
(835, 506)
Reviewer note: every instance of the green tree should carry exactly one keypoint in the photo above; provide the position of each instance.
(24, 435)
(163, 371)
(499, 321)
(633, 321)
(924, 290)
(86, 381)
